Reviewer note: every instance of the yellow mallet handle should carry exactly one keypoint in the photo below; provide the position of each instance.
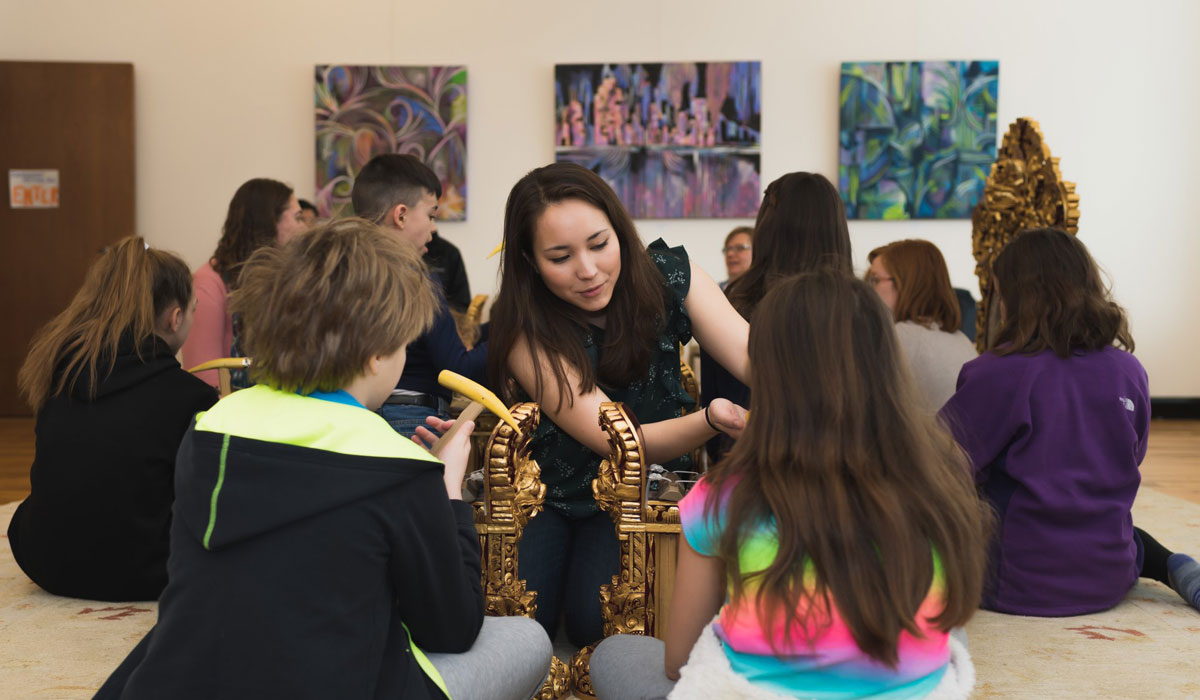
(478, 394)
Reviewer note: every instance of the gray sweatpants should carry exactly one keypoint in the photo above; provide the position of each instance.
(509, 661)
(630, 667)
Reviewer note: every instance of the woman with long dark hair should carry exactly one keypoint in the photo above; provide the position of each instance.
(840, 541)
(587, 314)
(801, 227)
(262, 212)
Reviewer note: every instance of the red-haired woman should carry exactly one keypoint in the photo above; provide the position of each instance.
(911, 278)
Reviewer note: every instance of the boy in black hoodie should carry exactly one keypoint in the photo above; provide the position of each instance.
(315, 552)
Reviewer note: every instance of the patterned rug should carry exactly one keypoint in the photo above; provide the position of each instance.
(1146, 647)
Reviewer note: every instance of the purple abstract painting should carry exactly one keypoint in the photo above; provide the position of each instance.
(363, 111)
(674, 140)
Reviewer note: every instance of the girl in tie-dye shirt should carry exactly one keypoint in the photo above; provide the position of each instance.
(841, 539)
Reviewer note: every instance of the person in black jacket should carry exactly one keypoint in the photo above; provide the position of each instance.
(445, 260)
(316, 553)
(112, 405)
(400, 193)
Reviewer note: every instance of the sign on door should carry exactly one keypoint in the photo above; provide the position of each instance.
(33, 189)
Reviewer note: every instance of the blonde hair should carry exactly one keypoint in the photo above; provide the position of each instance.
(318, 309)
(122, 297)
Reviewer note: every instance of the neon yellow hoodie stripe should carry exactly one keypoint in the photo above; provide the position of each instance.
(212, 508)
(263, 413)
(425, 664)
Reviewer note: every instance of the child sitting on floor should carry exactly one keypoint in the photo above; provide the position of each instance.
(838, 543)
(315, 552)
(112, 405)
(1055, 420)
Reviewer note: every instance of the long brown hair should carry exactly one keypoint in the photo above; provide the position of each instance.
(250, 224)
(861, 484)
(801, 226)
(553, 328)
(122, 297)
(923, 290)
(1054, 297)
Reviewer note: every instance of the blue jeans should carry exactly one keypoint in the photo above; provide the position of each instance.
(565, 561)
(404, 418)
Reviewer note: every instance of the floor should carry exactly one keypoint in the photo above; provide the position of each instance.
(1172, 464)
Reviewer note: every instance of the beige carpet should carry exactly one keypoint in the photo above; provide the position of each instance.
(1147, 647)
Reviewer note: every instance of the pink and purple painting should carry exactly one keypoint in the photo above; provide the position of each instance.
(674, 140)
(363, 111)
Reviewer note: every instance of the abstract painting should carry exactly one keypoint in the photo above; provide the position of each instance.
(916, 138)
(363, 111)
(674, 140)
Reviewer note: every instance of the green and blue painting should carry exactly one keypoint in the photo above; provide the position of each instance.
(916, 139)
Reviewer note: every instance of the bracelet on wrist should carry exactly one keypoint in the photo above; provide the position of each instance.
(709, 420)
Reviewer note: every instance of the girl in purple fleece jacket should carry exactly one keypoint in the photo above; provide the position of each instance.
(1055, 420)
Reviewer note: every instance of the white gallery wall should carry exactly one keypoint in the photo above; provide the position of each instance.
(224, 93)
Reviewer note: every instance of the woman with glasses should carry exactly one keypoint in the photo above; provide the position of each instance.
(737, 253)
(911, 278)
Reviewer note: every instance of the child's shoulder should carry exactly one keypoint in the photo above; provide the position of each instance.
(189, 388)
(270, 415)
(1024, 368)
(1118, 360)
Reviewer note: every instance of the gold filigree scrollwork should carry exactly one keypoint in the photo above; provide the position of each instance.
(558, 681)
(690, 384)
(512, 494)
(1024, 190)
(628, 602)
(581, 681)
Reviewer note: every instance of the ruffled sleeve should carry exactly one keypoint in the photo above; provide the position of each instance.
(676, 269)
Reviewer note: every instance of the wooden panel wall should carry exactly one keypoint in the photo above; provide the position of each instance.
(77, 118)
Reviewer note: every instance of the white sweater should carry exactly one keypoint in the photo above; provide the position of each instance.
(935, 357)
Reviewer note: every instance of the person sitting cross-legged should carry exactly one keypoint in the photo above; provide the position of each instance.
(315, 552)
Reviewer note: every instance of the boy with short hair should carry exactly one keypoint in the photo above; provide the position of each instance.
(315, 552)
(401, 193)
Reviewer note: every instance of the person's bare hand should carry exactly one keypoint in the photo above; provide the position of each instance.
(727, 417)
(453, 453)
(426, 437)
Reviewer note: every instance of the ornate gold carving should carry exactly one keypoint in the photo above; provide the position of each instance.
(581, 681)
(513, 493)
(558, 682)
(690, 384)
(662, 512)
(1024, 190)
(475, 308)
(629, 604)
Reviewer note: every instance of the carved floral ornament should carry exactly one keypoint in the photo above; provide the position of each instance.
(1024, 190)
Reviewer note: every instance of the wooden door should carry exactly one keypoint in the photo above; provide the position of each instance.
(76, 118)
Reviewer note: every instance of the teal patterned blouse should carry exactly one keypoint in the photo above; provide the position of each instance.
(568, 466)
